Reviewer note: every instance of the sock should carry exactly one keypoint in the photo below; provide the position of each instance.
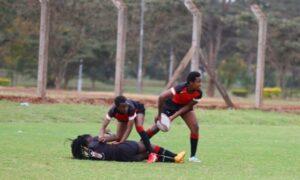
(161, 151)
(145, 138)
(165, 159)
(151, 133)
(194, 142)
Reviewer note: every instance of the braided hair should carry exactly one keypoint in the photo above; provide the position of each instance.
(79, 146)
(80, 149)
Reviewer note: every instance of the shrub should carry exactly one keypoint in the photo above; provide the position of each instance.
(240, 92)
(270, 92)
(4, 82)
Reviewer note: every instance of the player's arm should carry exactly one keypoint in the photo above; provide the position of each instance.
(130, 123)
(103, 127)
(127, 131)
(187, 107)
(183, 110)
(162, 98)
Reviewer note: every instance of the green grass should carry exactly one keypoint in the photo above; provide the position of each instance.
(235, 144)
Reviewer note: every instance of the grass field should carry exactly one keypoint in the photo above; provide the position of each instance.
(235, 144)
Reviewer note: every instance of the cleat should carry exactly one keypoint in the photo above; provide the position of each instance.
(194, 159)
(152, 158)
(180, 157)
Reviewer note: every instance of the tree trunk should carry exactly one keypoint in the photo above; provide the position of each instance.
(183, 63)
(280, 77)
(171, 64)
(93, 84)
(214, 46)
(66, 82)
(213, 76)
(210, 87)
(60, 76)
(58, 81)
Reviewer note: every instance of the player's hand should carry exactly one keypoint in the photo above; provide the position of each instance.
(171, 118)
(157, 118)
(101, 139)
(116, 142)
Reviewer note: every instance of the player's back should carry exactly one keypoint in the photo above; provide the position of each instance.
(125, 151)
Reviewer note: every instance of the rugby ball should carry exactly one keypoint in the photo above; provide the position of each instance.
(164, 123)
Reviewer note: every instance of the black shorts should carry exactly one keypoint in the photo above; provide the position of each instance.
(140, 108)
(170, 107)
(127, 151)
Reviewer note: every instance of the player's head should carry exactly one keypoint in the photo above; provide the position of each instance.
(194, 80)
(79, 146)
(120, 102)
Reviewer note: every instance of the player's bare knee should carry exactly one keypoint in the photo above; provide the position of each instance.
(195, 128)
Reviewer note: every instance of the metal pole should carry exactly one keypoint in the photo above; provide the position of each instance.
(79, 83)
(121, 45)
(197, 21)
(261, 53)
(43, 49)
(140, 66)
(171, 65)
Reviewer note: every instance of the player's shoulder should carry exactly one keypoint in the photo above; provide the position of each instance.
(131, 106)
(112, 109)
(180, 87)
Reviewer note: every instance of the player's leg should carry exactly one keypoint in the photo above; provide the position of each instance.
(140, 156)
(156, 149)
(139, 121)
(121, 128)
(191, 121)
(152, 131)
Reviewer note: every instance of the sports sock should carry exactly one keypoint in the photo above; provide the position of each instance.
(151, 132)
(161, 151)
(165, 159)
(194, 142)
(145, 138)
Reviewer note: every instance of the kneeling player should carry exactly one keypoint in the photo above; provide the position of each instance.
(88, 147)
(127, 112)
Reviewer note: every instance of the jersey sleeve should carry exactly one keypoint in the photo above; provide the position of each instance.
(111, 113)
(198, 97)
(131, 114)
(177, 89)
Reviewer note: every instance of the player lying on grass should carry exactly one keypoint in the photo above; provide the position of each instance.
(88, 147)
(179, 101)
(127, 112)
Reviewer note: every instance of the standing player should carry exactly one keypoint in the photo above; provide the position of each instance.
(179, 101)
(127, 112)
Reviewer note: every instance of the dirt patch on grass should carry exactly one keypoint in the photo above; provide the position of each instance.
(19, 94)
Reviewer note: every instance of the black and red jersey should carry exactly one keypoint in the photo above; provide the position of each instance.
(126, 151)
(134, 108)
(181, 96)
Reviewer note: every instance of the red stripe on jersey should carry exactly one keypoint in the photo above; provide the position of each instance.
(122, 117)
(183, 97)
